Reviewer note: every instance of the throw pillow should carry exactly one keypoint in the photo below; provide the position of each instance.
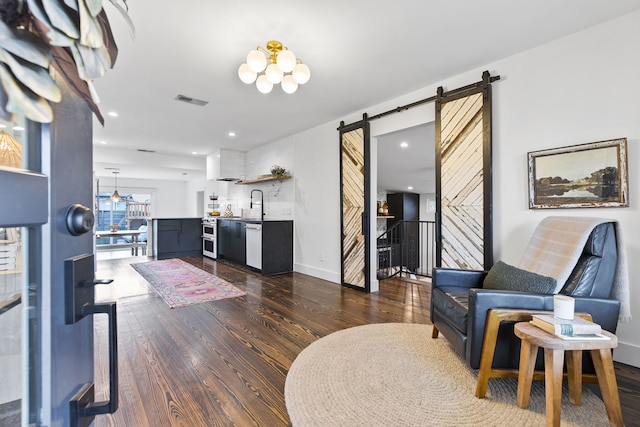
(503, 276)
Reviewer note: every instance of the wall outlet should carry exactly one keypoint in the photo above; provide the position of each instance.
(321, 256)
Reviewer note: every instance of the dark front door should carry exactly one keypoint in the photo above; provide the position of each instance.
(23, 212)
(51, 356)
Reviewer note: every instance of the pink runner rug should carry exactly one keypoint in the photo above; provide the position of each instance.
(181, 284)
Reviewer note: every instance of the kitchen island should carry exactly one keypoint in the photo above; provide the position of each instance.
(176, 237)
(266, 246)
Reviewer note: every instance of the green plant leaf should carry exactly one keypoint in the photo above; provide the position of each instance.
(91, 63)
(73, 4)
(4, 113)
(44, 25)
(24, 44)
(90, 29)
(77, 60)
(32, 76)
(62, 18)
(63, 62)
(73, 37)
(94, 6)
(22, 101)
(125, 15)
(109, 42)
(104, 57)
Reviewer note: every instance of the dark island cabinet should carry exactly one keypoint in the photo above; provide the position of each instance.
(232, 240)
(176, 237)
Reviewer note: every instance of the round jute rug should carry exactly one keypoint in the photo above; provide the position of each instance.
(395, 374)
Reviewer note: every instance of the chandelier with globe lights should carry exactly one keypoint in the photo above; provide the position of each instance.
(277, 64)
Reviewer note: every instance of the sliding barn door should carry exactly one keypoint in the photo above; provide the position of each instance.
(463, 177)
(354, 184)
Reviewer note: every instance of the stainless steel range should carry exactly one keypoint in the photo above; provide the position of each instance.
(209, 237)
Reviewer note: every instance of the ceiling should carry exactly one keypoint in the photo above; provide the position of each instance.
(360, 52)
(412, 166)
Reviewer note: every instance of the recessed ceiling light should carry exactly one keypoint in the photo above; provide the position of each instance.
(112, 114)
(194, 152)
(232, 134)
(2, 126)
(404, 144)
(18, 128)
(103, 142)
(409, 188)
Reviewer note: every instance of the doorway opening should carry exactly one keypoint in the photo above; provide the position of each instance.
(405, 191)
(131, 212)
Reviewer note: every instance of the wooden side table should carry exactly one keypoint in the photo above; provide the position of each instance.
(554, 348)
(495, 317)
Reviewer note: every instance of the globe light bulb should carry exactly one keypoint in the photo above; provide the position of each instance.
(301, 73)
(286, 61)
(246, 75)
(289, 85)
(257, 61)
(274, 73)
(263, 84)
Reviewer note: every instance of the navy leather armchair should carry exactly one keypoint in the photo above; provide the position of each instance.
(459, 304)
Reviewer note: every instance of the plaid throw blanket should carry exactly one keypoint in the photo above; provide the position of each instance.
(556, 245)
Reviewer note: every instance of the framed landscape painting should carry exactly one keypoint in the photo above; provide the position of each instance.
(580, 176)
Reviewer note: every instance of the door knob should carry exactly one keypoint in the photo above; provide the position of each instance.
(79, 219)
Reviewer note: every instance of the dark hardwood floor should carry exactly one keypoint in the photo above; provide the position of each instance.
(224, 363)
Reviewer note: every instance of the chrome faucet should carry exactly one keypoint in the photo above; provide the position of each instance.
(261, 203)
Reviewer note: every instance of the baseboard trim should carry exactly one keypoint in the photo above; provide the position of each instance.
(628, 354)
(317, 272)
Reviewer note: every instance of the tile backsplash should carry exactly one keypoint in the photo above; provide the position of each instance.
(278, 195)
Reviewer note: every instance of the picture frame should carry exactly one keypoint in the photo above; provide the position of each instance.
(592, 175)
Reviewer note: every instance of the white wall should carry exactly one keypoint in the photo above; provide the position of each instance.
(278, 195)
(194, 196)
(317, 203)
(579, 89)
(428, 207)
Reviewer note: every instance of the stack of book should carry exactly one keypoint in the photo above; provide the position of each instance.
(575, 329)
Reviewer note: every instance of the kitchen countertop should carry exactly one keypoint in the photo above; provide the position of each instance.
(174, 217)
(237, 218)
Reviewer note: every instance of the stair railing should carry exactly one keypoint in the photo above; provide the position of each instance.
(406, 249)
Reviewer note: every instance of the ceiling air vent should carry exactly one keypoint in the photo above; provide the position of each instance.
(190, 100)
(142, 150)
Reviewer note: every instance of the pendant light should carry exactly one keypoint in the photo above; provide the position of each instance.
(10, 151)
(115, 196)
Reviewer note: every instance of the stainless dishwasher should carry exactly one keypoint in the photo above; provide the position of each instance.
(254, 245)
